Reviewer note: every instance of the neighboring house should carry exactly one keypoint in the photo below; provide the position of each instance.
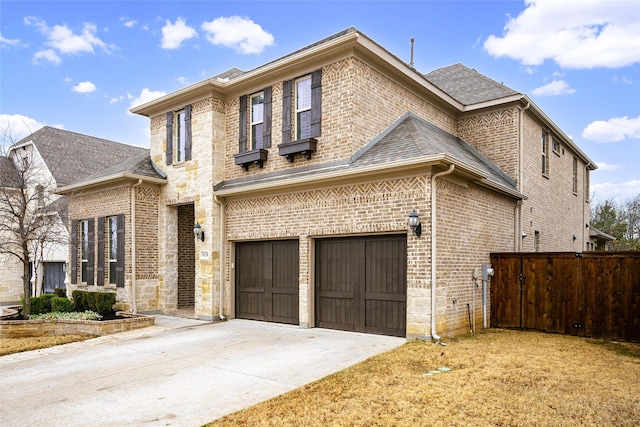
(599, 240)
(303, 174)
(56, 158)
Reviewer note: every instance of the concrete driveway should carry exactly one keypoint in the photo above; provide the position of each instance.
(180, 372)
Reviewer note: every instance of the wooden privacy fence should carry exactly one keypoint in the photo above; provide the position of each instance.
(592, 294)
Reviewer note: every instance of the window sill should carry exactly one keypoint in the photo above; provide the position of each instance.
(305, 147)
(245, 159)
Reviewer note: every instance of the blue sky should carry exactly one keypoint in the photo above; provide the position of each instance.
(81, 65)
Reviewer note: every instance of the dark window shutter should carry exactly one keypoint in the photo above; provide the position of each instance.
(120, 252)
(101, 252)
(91, 252)
(266, 134)
(286, 111)
(169, 150)
(316, 103)
(242, 131)
(187, 132)
(74, 251)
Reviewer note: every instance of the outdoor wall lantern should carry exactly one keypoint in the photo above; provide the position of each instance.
(414, 223)
(198, 232)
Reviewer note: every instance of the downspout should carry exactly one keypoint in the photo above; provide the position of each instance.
(435, 336)
(134, 306)
(518, 231)
(222, 231)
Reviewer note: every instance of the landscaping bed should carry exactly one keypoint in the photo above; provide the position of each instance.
(45, 327)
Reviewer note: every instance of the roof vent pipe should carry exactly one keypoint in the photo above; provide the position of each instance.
(412, 43)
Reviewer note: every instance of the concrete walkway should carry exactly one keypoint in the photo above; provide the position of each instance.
(179, 372)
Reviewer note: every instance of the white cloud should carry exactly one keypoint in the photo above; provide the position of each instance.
(613, 130)
(602, 166)
(84, 87)
(62, 40)
(8, 42)
(129, 23)
(14, 127)
(48, 55)
(622, 190)
(145, 96)
(182, 80)
(174, 34)
(583, 34)
(241, 34)
(555, 88)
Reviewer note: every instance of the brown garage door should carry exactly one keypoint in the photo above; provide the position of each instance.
(267, 281)
(361, 284)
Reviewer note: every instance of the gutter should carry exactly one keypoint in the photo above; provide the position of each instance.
(435, 336)
(108, 179)
(134, 305)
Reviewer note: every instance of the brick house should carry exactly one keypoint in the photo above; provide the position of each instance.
(303, 174)
(54, 158)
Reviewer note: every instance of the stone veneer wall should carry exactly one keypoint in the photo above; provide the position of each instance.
(113, 201)
(191, 182)
(10, 280)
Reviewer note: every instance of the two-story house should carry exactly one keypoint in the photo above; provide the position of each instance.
(334, 187)
(50, 158)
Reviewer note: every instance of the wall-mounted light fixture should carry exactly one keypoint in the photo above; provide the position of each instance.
(414, 223)
(198, 232)
(574, 237)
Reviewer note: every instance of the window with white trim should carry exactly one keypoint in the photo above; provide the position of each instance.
(303, 107)
(257, 121)
(84, 250)
(545, 152)
(112, 248)
(178, 145)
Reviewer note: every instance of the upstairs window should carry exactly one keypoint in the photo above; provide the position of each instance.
(40, 191)
(587, 185)
(303, 108)
(575, 175)
(178, 148)
(545, 152)
(257, 121)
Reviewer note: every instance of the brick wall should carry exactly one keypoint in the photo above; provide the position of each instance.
(112, 201)
(10, 280)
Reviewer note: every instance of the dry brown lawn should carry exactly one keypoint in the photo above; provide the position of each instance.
(496, 378)
(17, 345)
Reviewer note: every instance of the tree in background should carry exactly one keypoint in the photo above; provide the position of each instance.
(620, 220)
(29, 221)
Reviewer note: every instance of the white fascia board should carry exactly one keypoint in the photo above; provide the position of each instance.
(106, 179)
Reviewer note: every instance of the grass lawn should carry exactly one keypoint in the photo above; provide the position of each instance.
(495, 378)
(17, 345)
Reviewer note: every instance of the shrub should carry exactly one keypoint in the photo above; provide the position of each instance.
(60, 292)
(62, 305)
(79, 302)
(41, 304)
(100, 302)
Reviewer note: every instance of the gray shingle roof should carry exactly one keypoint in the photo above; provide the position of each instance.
(140, 165)
(9, 176)
(413, 137)
(72, 156)
(467, 86)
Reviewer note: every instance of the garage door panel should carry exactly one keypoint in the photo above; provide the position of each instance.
(336, 313)
(267, 281)
(361, 284)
